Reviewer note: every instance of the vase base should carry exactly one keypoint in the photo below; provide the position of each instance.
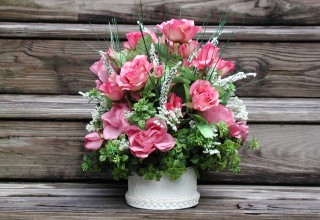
(162, 204)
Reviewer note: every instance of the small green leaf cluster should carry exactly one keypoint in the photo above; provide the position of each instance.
(142, 111)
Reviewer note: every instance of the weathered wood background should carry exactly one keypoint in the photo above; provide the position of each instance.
(38, 59)
(45, 60)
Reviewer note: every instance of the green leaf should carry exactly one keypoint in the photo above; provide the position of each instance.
(199, 118)
(144, 42)
(180, 79)
(163, 52)
(182, 90)
(205, 129)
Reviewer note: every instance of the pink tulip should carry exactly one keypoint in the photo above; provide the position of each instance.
(93, 141)
(179, 31)
(143, 143)
(203, 95)
(114, 122)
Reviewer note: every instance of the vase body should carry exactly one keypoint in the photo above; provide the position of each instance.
(164, 194)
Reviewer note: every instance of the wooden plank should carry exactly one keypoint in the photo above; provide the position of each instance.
(92, 201)
(37, 150)
(277, 12)
(62, 67)
(87, 31)
(77, 108)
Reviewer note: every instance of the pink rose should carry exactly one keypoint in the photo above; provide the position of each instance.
(111, 89)
(239, 130)
(225, 67)
(158, 70)
(187, 48)
(134, 74)
(134, 37)
(207, 56)
(179, 31)
(203, 95)
(114, 122)
(173, 102)
(93, 141)
(143, 143)
(219, 113)
(100, 71)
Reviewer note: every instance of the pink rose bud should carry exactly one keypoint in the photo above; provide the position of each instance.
(203, 95)
(158, 70)
(143, 143)
(134, 37)
(239, 130)
(100, 71)
(187, 48)
(173, 102)
(114, 122)
(219, 113)
(225, 67)
(207, 56)
(179, 31)
(93, 141)
(135, 73)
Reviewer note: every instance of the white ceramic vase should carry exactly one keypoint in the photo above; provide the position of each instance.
(164, 194)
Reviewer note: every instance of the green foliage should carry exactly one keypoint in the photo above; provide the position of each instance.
(91, 162)
(165, 56)
(142, 111)
(206, 129)
(254, 144)
(182, 90)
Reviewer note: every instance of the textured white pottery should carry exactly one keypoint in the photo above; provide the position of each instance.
(164, 194)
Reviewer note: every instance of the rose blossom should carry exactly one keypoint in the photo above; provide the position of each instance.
(93, 141)
(207, 56)
(187, 48)
(173, 102)
(179, 31)
(114, 122)
(239, 130)
(134, 37)
(204, 96)
(219, 113)
(134, 74)
(111, 89)
(143, 143)
(225, 67)
(158, 70)
(100, 71)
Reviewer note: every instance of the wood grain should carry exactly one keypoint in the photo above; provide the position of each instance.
(277, 12)
(102, 31)
(38, 150)
(293, 110)
(62, 67)
(100, 201)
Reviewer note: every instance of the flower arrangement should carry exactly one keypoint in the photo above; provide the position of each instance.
(165, 103)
